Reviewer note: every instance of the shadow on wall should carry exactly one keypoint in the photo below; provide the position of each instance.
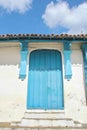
(76, 57)
(10, 56)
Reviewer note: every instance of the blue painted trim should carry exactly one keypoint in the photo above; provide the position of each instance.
(45, 40)
(84, 50)
(23, 61)
(67, 61)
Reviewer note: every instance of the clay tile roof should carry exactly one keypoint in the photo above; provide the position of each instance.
(43, 36)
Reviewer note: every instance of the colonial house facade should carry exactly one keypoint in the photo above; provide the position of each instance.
(43, 82)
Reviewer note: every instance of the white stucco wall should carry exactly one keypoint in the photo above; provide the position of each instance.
(13, 91)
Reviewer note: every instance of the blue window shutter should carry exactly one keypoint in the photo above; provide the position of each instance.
(23, 60)
(67, 61)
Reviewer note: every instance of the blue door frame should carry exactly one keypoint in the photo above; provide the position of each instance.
(45, 84)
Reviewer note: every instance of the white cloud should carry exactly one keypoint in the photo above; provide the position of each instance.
(20, 6)
(60, 14)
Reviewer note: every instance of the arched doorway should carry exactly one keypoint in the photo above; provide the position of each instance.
(45, 85)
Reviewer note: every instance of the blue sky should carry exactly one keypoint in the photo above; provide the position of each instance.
(43, 16)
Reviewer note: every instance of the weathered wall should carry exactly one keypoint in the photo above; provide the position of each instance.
(75, 97)
(13, 91)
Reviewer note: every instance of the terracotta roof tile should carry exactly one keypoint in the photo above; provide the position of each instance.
(43, 36)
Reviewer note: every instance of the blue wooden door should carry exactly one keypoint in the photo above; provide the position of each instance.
(45, 87)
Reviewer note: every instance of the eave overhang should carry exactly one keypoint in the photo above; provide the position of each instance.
(43, 38)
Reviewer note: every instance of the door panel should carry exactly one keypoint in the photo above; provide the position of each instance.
(45, 87)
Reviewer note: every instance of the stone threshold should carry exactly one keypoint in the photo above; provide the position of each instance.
(44, 111)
